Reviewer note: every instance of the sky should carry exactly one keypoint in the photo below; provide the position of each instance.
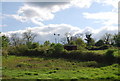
(46, 18)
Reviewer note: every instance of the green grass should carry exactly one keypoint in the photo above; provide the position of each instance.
(19, 67)
(0, 67)
(116, 50)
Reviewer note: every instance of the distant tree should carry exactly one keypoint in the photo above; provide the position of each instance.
(58, 48)
(72, 43)
(89, 39)
(52, 44)
(34, 45)
(107, 38)
(68, 36)
(73, 38)
(28, 36)
(117, 39)
(47, 43)
(5, 41)
(16, 40)
(80, 42)
(79, 35)
(63, 40)
(99, 43)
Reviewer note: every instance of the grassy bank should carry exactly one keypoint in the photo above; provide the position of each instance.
(23, 67)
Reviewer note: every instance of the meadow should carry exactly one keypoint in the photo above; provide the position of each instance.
(31, 61)
(25, 67)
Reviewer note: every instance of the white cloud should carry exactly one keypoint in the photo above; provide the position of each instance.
(106, 29)
(106, 18)
(113, 3)
(47, 32)
(82, 3)
(37, 12)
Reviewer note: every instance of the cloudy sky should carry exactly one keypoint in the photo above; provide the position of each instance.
(46, 18)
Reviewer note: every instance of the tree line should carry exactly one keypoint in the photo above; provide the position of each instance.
(28, 37)
(26, 46)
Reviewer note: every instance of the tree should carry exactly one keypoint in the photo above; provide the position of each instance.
(58, 48)
(117, 39)
(34, 45)
(72, 43)
(15, 40)
(28, 36)
(47, 43)
(107, 38)
(99, 43)
(63, 40)
(5, 41)
(80, 42)
(90, 41)
(79, 35)
(68, 36)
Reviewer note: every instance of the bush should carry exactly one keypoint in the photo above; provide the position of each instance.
(5, 52)
(58, 48)
(104, 47)
(35, 45)
(35, 52)
(109, 56)
(90, 64)
(18, 50)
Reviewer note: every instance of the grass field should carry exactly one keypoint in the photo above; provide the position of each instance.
(104, 51)
(19, 67)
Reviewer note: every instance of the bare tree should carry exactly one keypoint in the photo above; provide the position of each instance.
(79, 35)
(15, 40)
(68, 36)
(28, 36)
(63, 40)
(107, 38)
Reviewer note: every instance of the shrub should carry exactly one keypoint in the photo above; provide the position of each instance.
(109, 56)
(99, 43)
(5, 52)
(90, 64)
(81, 48)
(18, 50)
(58, 48)
(35, 45)
(104, 47)
(35, 52)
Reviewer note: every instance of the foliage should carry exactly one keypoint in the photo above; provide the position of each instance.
(117, 39)
(28, 36)
(18, 50)
(47, 43)
(107, 38)
(109, 56)
(33, 45)
(58, 48)
(19, 68)
(52, 44)
(5, 41)
(55, 62)
(103, 47)
(79, 42)
(99, 43)
(90, 41)
(5, 52)
(72, 43)
(16, 40)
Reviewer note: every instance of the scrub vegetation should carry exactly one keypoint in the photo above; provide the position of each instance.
(92, 60)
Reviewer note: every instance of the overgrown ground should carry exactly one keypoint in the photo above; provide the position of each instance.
(19, 67)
